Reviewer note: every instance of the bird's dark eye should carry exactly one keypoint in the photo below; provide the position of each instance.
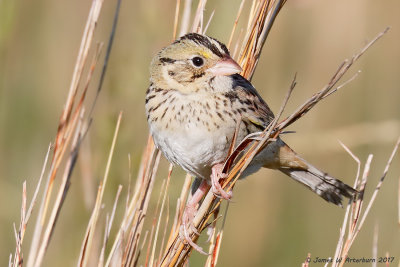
(198, 61)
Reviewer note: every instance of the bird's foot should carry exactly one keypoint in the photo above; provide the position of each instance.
(216, 175)
(187, 227)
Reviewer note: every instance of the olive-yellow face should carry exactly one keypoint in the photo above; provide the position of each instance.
(190, 61)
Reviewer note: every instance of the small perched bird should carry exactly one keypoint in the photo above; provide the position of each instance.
(194, 103)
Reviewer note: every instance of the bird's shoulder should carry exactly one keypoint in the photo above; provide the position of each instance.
(254, 109)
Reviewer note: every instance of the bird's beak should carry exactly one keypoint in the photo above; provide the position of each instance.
(226, 66)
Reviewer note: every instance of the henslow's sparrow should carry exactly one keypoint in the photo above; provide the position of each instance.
(194, 103)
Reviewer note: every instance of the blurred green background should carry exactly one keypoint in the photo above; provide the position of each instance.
(272, 221)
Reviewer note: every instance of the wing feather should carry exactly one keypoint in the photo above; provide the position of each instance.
(254, 109)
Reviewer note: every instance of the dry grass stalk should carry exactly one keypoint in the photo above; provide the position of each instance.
(235, 23)
(355, 217)
(70, 130)
(69, 136)
(165, 193)
(65, 127)
(198, 20)
(261, 20)
(130, 230)
(109, 222)
(176, 20)
(185, 17)
(17, 260)
(216, 240)
(91, 229)
(60, 197)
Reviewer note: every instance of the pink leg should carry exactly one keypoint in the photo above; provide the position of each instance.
(216, 174)
(189, 214)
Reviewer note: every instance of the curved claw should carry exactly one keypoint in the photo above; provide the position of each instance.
(187, 228)
(221, 193)
(185, 237)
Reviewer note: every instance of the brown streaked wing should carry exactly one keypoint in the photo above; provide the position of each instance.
(257, 111)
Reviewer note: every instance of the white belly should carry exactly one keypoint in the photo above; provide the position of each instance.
(194, 148)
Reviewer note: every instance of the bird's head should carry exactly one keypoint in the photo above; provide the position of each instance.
(190, 61)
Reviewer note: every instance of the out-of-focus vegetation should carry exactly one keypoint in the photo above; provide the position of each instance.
(38, 46)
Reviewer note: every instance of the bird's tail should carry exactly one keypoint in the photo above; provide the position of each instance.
(329, 188)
